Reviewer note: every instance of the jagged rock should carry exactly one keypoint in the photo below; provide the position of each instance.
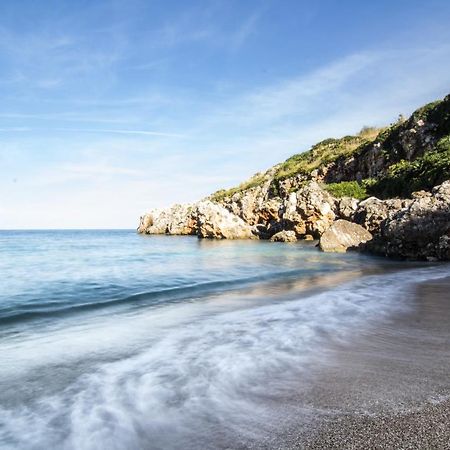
(292, 184)
(178, 219)
(291, 218)
(216, 222)
(255, 205)
(316, 208)
(419, 231)
(284, 236)
(269, 211)
(343, 235)
(145, 222)
(347, 207)
(373, 211)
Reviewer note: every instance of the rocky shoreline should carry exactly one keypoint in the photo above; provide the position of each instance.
(295, 200)
(417, 228)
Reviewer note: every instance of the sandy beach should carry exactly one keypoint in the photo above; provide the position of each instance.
(391, 390)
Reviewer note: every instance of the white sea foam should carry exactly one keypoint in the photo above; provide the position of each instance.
(201, 374)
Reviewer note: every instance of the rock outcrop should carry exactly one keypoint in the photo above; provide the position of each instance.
(347, 207)
(370, 213)
(179, 219)
(407, 140)
(343, 235)
(316, 208)
(216, 222)
(419, 231)
(310, 195)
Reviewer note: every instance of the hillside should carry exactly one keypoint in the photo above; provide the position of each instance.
(407, 156)
(391, 183)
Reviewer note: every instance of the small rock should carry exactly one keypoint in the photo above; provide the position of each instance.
(284, 236)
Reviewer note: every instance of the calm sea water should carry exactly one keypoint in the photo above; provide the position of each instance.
(112, 340)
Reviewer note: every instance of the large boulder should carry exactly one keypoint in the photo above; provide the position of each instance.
(216, 222)
(178, 219)
(343, 235)
(419, 231)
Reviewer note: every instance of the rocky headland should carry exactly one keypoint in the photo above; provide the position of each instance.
(385, 191)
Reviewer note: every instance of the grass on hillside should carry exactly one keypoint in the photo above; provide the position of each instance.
(303, 163)
(347, 189)
(402, 178)
(324, 152)
(254, 181)
(423, 173)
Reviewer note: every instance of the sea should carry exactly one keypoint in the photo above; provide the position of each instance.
(114, 340)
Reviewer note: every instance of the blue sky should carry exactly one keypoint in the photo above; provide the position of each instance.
(110, 108)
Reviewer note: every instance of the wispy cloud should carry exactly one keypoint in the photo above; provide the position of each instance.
(246, 29)
(64, 117)
(94, 130)
(114, 131)
(122, 106)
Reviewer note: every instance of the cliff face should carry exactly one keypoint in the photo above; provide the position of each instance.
(340, 179)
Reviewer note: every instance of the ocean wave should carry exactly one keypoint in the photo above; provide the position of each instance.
(206, 376)
(51, 308)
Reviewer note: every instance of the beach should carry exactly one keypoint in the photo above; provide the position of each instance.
(391, 388)
(114, 340)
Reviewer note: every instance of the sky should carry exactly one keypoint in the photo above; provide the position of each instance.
(111, 108)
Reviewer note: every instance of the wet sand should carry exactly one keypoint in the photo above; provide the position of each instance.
(389, 390)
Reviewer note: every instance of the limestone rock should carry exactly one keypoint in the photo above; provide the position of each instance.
(255, 205)
(145, 222)
(419, 231)
(347, 207)
(316, 208)
(178, 219)
(284, 236)
(373, 211)
(216, 222)
(343, 235)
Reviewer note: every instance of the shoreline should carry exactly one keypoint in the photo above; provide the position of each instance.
(407, 408)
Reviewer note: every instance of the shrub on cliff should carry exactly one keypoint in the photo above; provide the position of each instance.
(347, 189)
(423, 173)
(323, 153)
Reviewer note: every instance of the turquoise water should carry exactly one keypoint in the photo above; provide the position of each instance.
(113, 340)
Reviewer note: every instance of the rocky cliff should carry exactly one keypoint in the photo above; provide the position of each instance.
(390, 182)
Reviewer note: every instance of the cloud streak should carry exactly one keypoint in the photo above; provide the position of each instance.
(94, 130)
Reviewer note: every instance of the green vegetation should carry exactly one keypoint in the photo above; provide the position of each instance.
(303, 163)
(347, 189)
(403, 176)
(424, 172)
(425, 112)
(255, 180)
(325, 152)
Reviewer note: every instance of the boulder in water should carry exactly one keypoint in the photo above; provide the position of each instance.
(343, 235)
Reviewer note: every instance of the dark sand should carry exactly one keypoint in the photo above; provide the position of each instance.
(391, 390)
(388, 389)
